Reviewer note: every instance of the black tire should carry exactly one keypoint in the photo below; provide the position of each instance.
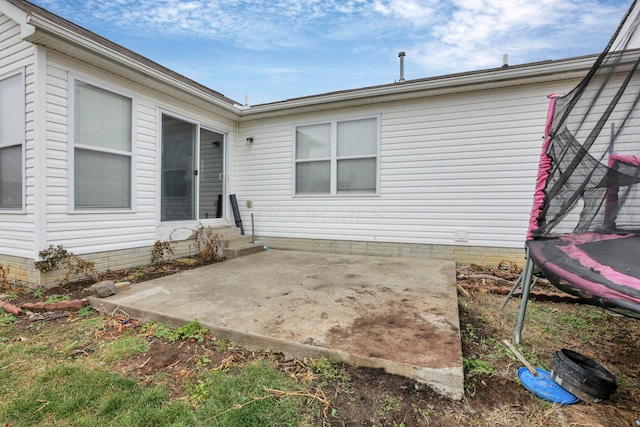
(583, 377)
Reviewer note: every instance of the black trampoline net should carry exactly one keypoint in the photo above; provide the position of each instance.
(593, 181)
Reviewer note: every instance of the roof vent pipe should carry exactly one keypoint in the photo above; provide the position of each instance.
(505, 60)
(401, 56)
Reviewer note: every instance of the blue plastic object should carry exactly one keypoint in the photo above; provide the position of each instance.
(544, 387)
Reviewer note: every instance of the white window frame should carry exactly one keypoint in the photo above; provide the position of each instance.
(334, 158)
(72, 79)
(22, 143)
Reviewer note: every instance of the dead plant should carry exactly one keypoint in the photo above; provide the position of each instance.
(57, 258)
(210, 245)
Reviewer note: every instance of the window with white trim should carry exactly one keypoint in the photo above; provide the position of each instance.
(12, 129)
(339, 157)
(102, 148)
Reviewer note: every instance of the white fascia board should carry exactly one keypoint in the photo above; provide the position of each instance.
(17, 15)
(45, 29)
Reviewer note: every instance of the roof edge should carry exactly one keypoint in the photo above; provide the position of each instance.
(562, 69)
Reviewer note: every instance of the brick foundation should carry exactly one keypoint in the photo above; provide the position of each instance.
(22, 271)
(460, 254)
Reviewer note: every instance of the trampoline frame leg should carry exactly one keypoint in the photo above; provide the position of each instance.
(525, 281)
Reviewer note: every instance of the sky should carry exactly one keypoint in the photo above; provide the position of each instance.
(261, 51)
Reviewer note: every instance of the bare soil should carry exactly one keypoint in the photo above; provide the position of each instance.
(493, 395)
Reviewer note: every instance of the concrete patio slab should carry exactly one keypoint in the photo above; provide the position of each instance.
(398, 314)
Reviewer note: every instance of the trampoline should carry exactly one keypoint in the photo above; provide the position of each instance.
(600, 268)
(584, 227)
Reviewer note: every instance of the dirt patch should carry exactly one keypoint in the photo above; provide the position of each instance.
(409, 339)
(369, 397)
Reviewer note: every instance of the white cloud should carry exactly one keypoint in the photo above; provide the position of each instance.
(415, 11)
(438, 36)
(477, 32)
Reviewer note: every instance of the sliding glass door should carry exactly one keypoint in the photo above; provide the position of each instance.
(192, 171)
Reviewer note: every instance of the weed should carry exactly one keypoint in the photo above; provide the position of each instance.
(54, 298)
(469, 334)
(162, 331)
(424, 414)
(9, 296)
(161, 251)
(202, 361)
(476, 367)
(7, 319)
(193, 331)
(222, 344)
(38, 292)
(390, 404)
(329, 372)
(86, 311)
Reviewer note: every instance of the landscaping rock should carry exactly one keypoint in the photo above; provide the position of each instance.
(33, 306)
(103, 289)
(10, 308)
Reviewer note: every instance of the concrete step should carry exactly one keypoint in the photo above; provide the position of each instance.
(235, 240)
(226, 230)
(242, 250)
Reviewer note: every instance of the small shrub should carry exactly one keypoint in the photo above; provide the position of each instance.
(57, 257)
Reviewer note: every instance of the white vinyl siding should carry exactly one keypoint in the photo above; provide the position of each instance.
(87, 231)
(450, 166)
(16, 218)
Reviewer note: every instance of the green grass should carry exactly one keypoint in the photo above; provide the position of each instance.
(125, 347)
(68, 394)
(248, 397)
(42, 385)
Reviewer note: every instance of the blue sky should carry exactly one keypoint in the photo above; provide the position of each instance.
(270, 50)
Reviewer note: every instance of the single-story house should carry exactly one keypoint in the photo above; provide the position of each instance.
(105, 152)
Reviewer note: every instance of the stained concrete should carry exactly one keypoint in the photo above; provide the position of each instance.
(399, 314)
